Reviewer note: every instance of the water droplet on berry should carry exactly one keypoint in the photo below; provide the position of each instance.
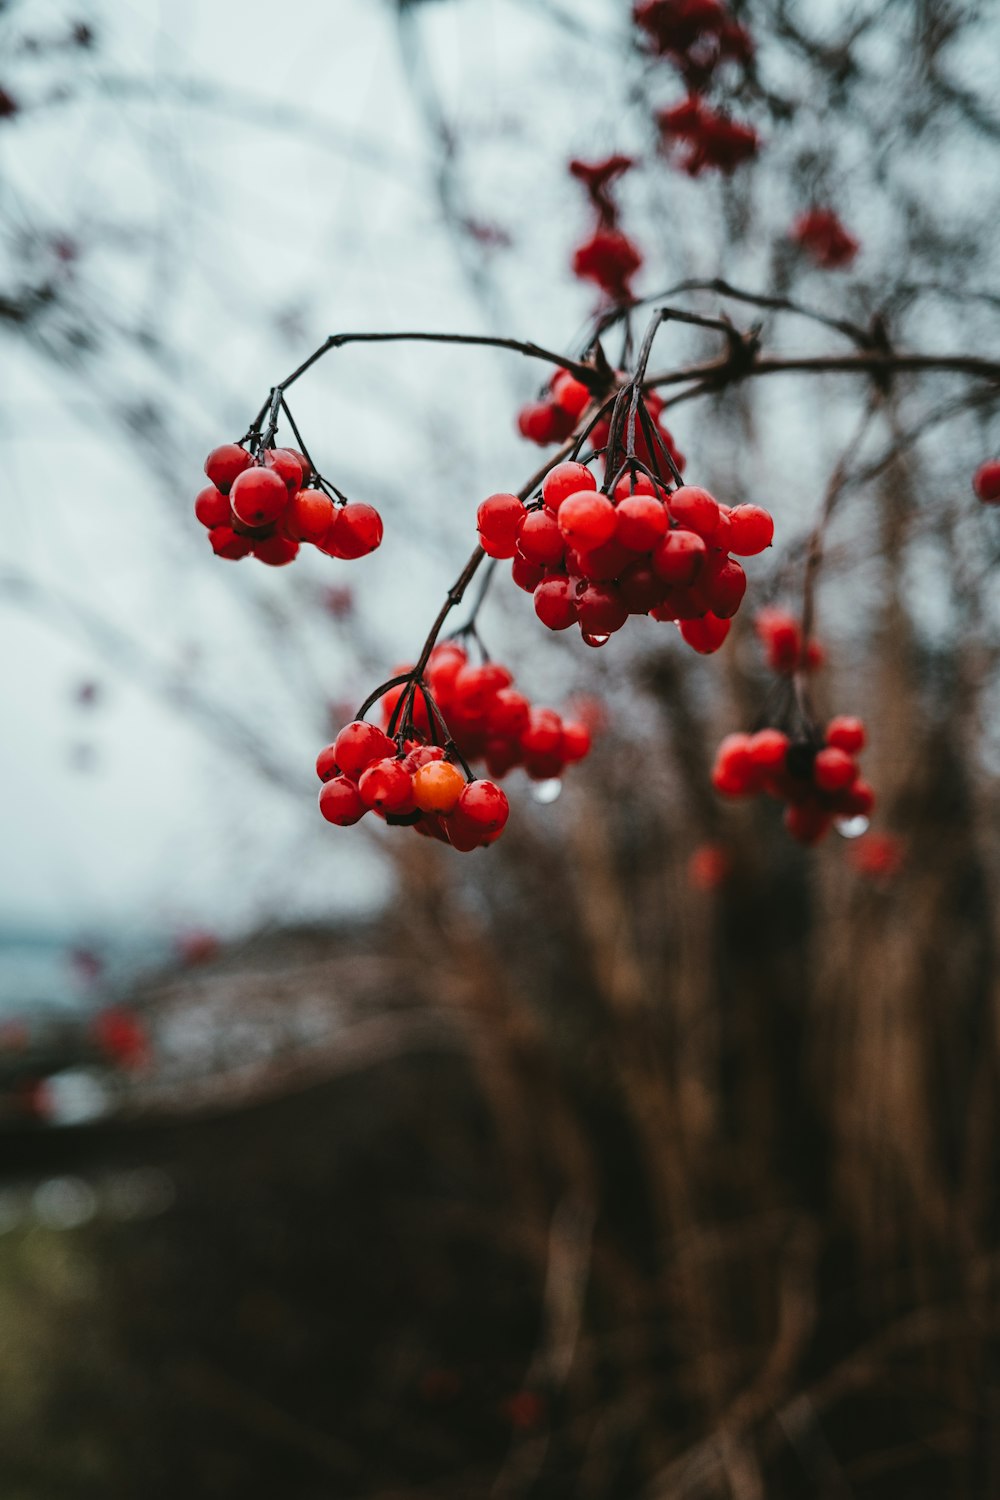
(594, 640)
(547, 791)
(852, 828)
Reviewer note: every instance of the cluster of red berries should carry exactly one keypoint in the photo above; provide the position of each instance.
(819, 782)
(781, 636)
(823, 237)
(489, 720)
(268, 506)
(986, 482)
(608, 258)
(412, 784)
(552, 418)
(700, 138)
(592, 559)
(697, 36)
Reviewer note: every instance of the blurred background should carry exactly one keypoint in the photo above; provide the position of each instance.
(645, 1153)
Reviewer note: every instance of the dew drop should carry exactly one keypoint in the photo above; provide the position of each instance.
(547, 791)
(852, 828)
(594, 640)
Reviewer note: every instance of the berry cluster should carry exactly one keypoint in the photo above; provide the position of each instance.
(608, 258)
(592, 559)
(488, 720)
(824, 239)
(986, 482)
(268, 506)
(412, 784)
(552, 418)
(781, 636)
(697, 36)
(700, 138)
(819, 781)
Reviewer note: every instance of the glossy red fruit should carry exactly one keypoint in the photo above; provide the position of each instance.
(359, 744)
(499, 520)
(834, 769)
(678, 556)
(526, 574)
(540, 539)
(286, 464)
(586, 520)
(564, 480)
(641, 520)
(475, 687)
(544, 733)
(555, 603)
(509, 714)
(224, 464)
(340, 802)
(386, 785)
(726, 589)
(706, 634)
(443, 666)
(641, 588)
(484, 805)
(570, 394)
(846, 733)
(575, 743)
(986, 482)
(696, 510)
(226, 543)
(749, 530)
(768, 749)
(734, 772)
(605, 563)
(211, 507)
(357, 530)
(276, 551)
(600, 609)
(543, 422)
(640, 485)
(310, 515)
(258, 496)
(326, 763)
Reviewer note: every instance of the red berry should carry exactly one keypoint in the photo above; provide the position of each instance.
(555, 603)
(258, 496)
(357, 530)
(575, 743)
(484, 805)
(604, 563)
(641, 484)
(310, 515)
(225, 543)
(570, 394)
(768, 749)
(340, 802)
(986, 481)
(600, 609)
(846, 733)
(326, 763)
(726, 589)
(386, 785)
(857, 801)
(544, 733)
(705, 635)
(586, 519)
(526, 574)
(212, 507)
(641, 520)
(286, 464)
(541, 540)
(640, 588)
(499, 519)
(696, 510)
(509, 714)
(678, 556)
(566, 479)
(276, 551)
(733, 773)
(750, 529)
(543, 423)
(834, 769)
(359, 744)
(224, 464)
